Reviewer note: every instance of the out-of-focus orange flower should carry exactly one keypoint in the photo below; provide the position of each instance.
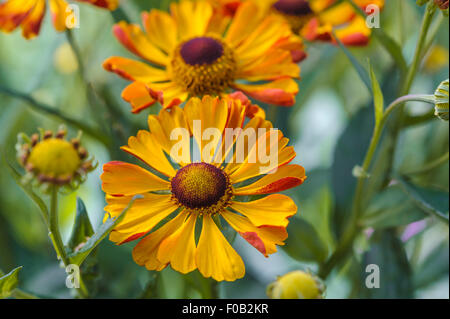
(196, 51)
(316, 19)
(28, 14)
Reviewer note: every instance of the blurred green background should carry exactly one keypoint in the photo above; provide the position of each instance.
(330, 127)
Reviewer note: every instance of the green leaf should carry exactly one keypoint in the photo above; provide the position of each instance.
(388, 253)
(391, 208)
(363, 75)
(393, 48)
(304, 243)
(79, 256)
(9, 282)
(433, 202)
(378, 99)
(82, 228)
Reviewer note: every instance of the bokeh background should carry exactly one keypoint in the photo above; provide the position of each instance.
(329, 126)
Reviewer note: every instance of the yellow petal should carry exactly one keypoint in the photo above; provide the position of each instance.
(121, 178)
(144, 254)
(161, 29)
(273, 210)
(215, 257)
(179, 249)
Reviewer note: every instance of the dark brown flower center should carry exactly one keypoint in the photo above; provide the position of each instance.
(201, 186)
(293, 7)
(203, 50)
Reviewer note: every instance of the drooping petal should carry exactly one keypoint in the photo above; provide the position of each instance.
(263, 238)
(145, 252)
(272, 210)
(280, 92)
(132, 37)
(179, 248)
(61, 12)
(144, 214)
(31, 25)
(13, 13)
(284, 178)
(107, 4)
(138, 96)
(135, 70)
(169, 94)
(146, 148)
(215, 257)
(121, 178)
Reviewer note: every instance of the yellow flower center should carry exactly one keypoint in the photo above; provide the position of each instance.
(296, 12)
(54, 157)
(204, 65)
(202, 187)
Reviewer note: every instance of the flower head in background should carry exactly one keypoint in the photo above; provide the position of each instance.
(296, 285)
(193, 195)
(28, 14)
(316, 19)
(441, 96)
(52, 160)
(196, 51)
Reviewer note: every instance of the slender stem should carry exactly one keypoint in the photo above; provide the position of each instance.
(430, 166)
(56, 238)
(215, 289)
(353, 228)
(41, 107)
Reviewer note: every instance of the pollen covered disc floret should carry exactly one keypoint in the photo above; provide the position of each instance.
(204, 65)
(297, 12)
(202, 188)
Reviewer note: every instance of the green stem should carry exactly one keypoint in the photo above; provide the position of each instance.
(56, 238)
(41, 107)
(353, 228)
(215, 289)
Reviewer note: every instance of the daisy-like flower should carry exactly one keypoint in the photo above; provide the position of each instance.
(28, 14)
(316, 19)
(201, 195)
(196, 50)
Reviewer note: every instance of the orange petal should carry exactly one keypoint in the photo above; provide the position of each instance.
(273, 210)
(132, 37)
(31, 25)
(280, 92)
(60, 11)
(263, 238)
(215, 257)
(144, 254)
(138, 96)
(13, 13)
(121, 178)
(179, 249)
(284, 178)
(146, 148)
(142, 217)
(107, 4)
(135, 70)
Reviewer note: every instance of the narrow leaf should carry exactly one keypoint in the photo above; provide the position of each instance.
(9, 282)
(79, 256)
(378, 99)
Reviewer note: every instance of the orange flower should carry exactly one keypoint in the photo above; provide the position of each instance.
(315, 19)
(187, 195)
(196, 51)
(28, 14)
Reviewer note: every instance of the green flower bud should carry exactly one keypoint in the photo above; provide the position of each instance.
(296, 285)
(441, 104)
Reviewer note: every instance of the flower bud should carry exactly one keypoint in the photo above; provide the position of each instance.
(441, 104)
(51, 159)
(296, 285)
